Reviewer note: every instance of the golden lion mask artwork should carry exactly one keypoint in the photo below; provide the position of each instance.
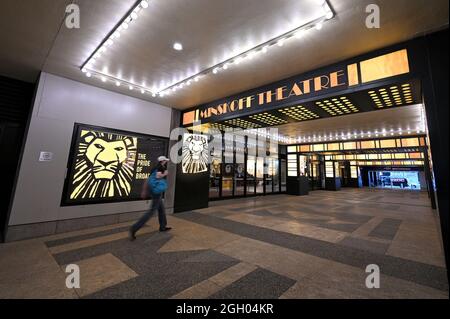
(104, 165)
(194, 154)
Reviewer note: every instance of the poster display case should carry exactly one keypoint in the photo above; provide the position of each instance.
(108, 165)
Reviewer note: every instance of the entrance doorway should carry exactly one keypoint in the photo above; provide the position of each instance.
(394, 179)
(246, 170)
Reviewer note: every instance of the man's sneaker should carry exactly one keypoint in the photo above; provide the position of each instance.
(165, 229)
(131, 235)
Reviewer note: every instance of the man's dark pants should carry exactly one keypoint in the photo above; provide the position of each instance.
(157, 204)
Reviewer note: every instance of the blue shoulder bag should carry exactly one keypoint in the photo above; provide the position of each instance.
(157, 185)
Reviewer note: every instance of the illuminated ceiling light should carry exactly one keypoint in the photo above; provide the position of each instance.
(103, 79)
(130, 87)
(215, 70)
(153, 94)
(239, 60)
(299, 34)
(197, 78)
(117, 83)
(88, 74)
(263, 47)
(178, 46)
(225, 66)
(84, 70)
(142, 91)
(319, 26)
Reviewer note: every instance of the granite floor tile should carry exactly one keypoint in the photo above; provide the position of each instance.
(259, 284)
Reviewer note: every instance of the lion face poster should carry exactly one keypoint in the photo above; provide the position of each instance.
(194, 154)
(108, 165)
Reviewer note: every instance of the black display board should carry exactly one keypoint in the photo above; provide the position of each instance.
(107, 165)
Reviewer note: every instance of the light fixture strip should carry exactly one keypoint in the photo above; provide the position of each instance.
(244, 54)
(85, 67)
(109, 36)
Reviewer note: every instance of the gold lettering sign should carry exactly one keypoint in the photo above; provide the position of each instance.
(383, 66)
(322, 82)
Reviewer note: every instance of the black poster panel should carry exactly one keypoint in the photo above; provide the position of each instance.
(107, 165)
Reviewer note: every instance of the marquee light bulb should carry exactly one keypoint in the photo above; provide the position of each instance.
(319, 26)
(103, 79)
(329, 15)
(177, 46)
(144, 4)
(133, 15)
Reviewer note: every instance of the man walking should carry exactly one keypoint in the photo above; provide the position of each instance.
(156, 185)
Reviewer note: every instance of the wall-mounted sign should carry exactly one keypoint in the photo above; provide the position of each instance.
(336, 78)
(195, 154)
(107, 165)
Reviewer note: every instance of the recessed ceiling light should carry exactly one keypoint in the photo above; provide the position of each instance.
(177, 46)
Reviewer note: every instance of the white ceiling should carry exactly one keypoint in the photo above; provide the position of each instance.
(33, 38)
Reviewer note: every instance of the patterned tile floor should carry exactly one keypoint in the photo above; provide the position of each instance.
(279, 246)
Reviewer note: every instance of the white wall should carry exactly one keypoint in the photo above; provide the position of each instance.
(59, 104)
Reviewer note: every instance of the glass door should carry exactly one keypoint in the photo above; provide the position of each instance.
(283, 175)
(260, 175)
(251, 175)
(215, 177)
(227, 180)
(239, 181)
